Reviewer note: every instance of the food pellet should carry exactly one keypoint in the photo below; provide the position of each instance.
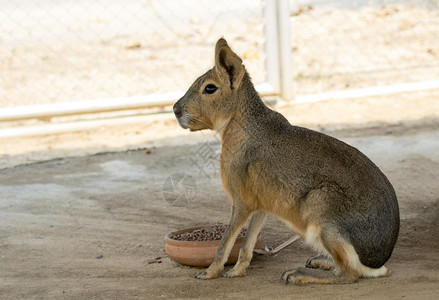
(208, 233)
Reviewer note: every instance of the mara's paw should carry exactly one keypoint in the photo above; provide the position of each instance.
(205, 275)
(295, 276)
(320, 262)
(235, 273)
(208, 274)
(304, 276)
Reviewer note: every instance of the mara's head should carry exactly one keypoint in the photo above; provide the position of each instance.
(211, 100)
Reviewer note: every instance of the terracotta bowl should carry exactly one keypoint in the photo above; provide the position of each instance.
(200, 253)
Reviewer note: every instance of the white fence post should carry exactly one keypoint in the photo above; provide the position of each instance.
(271, 44)
(278, 61)
(286, 66)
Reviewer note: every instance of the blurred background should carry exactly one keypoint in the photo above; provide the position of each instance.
(54, 51)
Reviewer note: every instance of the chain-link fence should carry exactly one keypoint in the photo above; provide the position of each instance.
(58, 50)
(357, 44)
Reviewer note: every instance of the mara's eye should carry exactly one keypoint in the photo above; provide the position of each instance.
(210, 89)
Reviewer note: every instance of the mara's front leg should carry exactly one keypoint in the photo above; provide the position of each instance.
(240, 214)
(246, 251)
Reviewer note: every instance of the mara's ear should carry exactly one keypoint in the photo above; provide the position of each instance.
(228, 64)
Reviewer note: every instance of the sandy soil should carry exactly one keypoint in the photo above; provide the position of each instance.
(88, 226)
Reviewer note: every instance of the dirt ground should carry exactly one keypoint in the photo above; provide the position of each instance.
(82, 215)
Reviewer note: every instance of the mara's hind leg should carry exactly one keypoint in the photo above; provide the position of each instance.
(322, 262)
(344, 272)
(246, 251)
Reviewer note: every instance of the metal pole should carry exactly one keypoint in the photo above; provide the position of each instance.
(271, 44)
(101, 105)
(278, 61)
(286, 66)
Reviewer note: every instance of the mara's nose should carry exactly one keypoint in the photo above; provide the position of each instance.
(177, 110)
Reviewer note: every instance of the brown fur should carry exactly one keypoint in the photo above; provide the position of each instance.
(325, 190)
